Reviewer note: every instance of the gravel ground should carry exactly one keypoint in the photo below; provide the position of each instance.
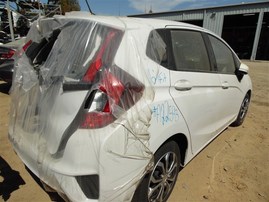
(234, 167)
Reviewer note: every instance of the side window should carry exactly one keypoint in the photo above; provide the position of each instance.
(189, 51)
(157, 49)
(223, 55)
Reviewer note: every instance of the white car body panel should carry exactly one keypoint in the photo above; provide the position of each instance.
(202, 117)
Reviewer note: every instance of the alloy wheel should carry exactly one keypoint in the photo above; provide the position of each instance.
(163, 177)
(244, 107)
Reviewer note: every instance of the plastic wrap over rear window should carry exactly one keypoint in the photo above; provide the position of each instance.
(73, 54)
(67, 49)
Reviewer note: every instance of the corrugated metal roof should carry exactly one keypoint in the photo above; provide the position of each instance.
(213, 17)
(252, 7)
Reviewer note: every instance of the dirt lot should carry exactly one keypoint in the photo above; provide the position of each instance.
(234, 167)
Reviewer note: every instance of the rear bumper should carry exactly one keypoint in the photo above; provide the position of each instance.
(43, 169)
(119, 163)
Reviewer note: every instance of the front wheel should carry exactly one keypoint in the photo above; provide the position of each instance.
(242, 112)
(158, 184)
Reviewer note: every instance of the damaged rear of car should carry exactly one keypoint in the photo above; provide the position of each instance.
(70, 96)
(111, 108)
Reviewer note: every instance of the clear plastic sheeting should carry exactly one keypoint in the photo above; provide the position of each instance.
(80, 109)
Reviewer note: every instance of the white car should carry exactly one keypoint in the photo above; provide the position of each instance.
(111, 108)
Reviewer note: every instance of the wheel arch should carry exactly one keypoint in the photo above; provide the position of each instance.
(182, 143)
(249, 92)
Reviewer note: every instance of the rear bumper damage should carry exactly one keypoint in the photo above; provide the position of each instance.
(97, 170)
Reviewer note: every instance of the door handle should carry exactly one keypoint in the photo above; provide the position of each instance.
(183, 85)
(225, 85)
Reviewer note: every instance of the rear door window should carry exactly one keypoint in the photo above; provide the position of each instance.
(189, 50)
(159, 48)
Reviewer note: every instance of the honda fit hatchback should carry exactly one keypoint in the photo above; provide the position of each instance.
(111, 108)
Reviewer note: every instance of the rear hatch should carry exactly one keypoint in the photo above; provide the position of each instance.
(65, 79)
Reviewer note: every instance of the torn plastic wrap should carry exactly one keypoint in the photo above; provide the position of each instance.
(81, 107)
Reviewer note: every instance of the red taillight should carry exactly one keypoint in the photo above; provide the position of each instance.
(116, 92)
(113, 89)
(97, 120)
(113, 97)
(93, 69)
(112, 86)
(24, 48)
(97, 64)
(26, 45)
(8, 55)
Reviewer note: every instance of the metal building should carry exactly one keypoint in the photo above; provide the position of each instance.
(244, 26)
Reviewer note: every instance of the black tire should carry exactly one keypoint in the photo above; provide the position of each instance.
(242, 112)
(165, 171)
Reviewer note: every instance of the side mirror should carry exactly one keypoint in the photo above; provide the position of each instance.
(243, 69)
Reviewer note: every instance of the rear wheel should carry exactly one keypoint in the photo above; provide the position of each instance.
(158, 185)
(242, 112)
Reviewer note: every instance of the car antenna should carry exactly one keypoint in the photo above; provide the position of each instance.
(89, 7)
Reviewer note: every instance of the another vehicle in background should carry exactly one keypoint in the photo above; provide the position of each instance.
(7, 52)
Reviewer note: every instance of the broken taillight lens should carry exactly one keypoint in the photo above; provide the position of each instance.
(113, 97)
(116, 92)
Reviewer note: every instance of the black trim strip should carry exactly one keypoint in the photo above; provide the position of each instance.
(76, 86)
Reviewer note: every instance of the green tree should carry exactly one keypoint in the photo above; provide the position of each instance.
(69, 5)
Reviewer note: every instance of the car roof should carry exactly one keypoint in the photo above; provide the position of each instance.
(131, 22)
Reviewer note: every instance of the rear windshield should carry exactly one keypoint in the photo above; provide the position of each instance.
(69, 48)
